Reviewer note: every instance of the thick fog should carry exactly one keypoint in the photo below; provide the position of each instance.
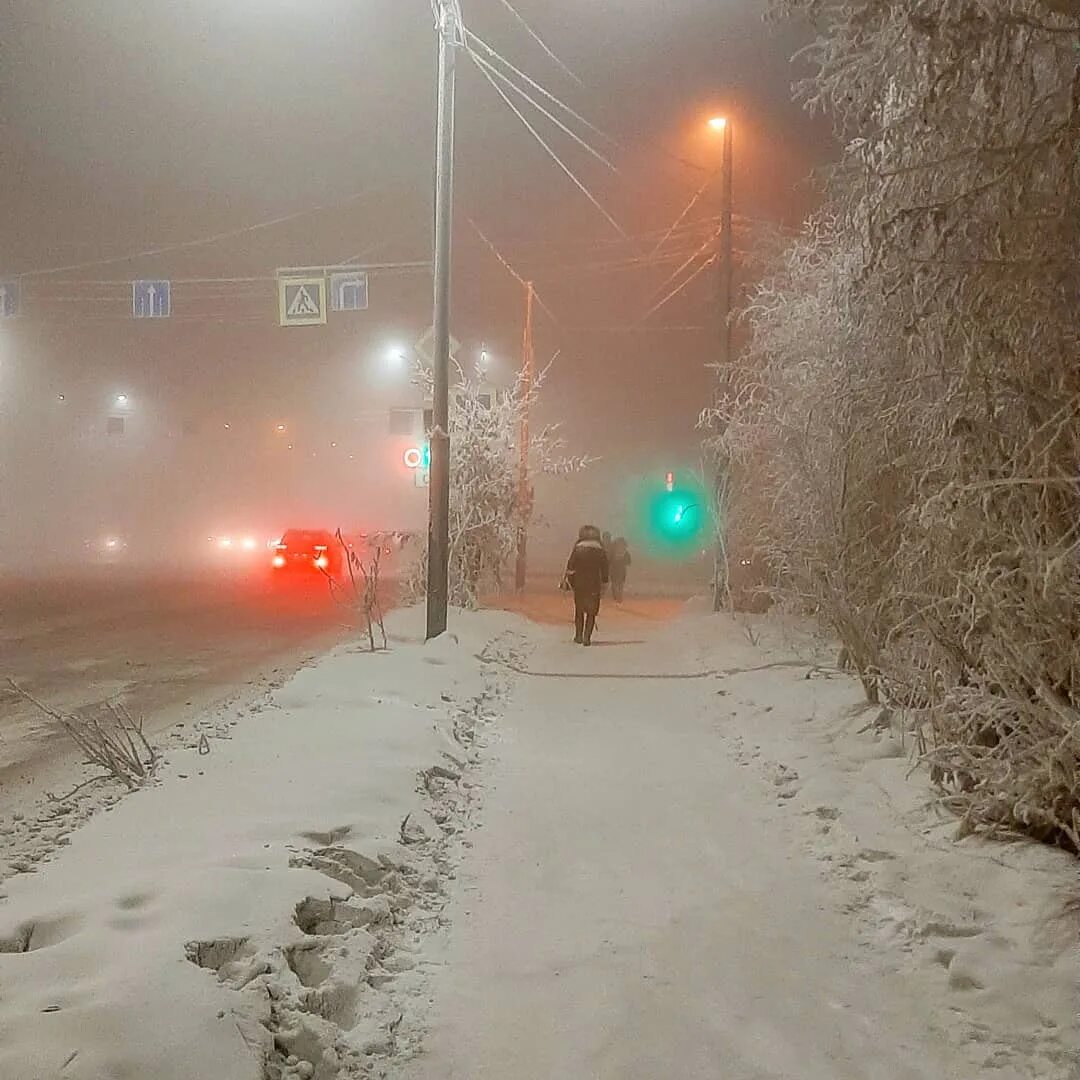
(289, 135)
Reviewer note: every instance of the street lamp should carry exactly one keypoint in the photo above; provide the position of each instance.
(721, 127)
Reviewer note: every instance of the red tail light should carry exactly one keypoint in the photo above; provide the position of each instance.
(322, 562)
(279, 561)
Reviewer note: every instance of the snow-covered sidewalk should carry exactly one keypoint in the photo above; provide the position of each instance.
(500, 856)
(694, 875)
(259, 912)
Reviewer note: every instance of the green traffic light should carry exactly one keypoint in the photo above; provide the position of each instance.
(676, 518)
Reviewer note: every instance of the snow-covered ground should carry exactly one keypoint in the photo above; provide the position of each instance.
(677, 854)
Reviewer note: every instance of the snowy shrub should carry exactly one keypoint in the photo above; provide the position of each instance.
(358, 592)
(109, 737)
(903, 431)
(486, 510)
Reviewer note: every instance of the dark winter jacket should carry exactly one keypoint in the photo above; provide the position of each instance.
(587, 568)
(619, 557)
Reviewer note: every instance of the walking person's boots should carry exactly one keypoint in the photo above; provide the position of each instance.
(590, 626)
(579, 626)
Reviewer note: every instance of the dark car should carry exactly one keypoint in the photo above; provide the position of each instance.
(307, 551)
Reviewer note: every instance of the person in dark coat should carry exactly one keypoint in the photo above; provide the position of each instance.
(587, 574)
(618, 562)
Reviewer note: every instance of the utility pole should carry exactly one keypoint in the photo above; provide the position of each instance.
(524, 488)
(438, 583)
(726, 277)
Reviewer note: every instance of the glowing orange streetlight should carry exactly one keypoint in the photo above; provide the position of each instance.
(718, 125)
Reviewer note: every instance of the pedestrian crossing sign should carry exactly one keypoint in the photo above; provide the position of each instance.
(301, 301)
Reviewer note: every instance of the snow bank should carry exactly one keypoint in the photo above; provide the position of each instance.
(259, 911)
(986, 933)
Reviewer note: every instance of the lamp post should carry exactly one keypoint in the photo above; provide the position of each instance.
(438, 570)
(722, 126)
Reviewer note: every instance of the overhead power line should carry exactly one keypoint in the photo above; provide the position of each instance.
(678, 289)
(494, 73)
(475, 39)
(539, 40)
(204, 241)
(549, 150)
(512, 272)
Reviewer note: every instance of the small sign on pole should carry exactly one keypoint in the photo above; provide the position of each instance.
(349, 291)
(151, 299)
(301, 301)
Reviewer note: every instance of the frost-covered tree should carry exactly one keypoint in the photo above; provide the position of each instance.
(908, 407)
(486, 507)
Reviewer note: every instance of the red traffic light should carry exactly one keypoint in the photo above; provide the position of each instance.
(669, 481)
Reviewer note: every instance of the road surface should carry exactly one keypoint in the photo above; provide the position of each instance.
(169, 646)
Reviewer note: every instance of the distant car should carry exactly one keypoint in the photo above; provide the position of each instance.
(235, 545)
(310, 551)
(108, 549)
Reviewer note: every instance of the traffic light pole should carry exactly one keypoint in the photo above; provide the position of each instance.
(726, 277)
(524, 490)
(438, 576)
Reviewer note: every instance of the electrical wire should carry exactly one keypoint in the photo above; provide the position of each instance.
(201, 242)
(686, 210)
(688, 262)
(678, 289)
(539, 40)
(495, 73)
(551, 153)
(475, 39)
(512, 272)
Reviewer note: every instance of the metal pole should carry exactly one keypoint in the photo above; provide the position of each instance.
(726, 276)
(438, 590)
(524, 490)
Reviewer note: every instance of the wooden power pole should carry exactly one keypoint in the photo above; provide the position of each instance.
(524, 486)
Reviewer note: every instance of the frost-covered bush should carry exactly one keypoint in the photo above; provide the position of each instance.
(486, 508)
(908, 414)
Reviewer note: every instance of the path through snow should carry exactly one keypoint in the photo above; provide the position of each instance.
(707, 877)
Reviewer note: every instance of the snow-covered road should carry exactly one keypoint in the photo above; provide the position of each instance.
(170, 645)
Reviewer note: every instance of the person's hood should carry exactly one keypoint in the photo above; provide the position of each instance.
(589, 544)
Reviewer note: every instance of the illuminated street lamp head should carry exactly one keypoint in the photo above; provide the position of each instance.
(121, 399)
(718, 123)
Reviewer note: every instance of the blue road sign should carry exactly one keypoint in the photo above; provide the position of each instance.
(349, 292)
(151, 299)
(9, 299)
